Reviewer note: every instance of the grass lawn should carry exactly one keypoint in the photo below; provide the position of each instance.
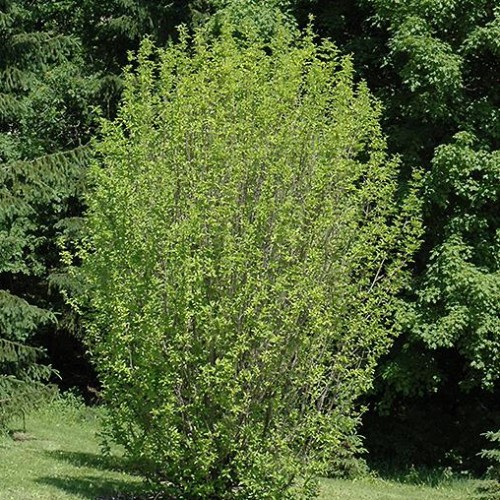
(58, 459)
(380, 489)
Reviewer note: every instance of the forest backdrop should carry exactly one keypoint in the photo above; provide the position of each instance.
(433, 64)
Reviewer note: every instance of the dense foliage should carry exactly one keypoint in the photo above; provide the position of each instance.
(245, 245)
(446, 58)
(493, 453)
(44, 120)
(60, 66)
(435, 65)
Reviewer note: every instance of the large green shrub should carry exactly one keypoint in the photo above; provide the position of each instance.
(244, 248)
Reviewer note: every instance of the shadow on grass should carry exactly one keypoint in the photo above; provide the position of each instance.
(93, 487)
(417, 476)
(93, 483)
(91, 460)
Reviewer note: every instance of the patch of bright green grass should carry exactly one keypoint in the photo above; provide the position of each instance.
(381, 489)
(58, 458)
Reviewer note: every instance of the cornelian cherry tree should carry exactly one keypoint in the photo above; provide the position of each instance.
(243, 251)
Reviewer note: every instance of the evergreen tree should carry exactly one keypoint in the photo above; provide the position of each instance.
(45, 125)
(61, 65)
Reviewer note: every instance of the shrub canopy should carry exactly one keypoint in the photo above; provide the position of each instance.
(244, 247)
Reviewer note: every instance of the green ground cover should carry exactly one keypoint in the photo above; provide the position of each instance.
(382, 489)
(58, 458)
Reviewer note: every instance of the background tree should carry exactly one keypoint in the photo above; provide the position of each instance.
(61, 65)
(435, 66)
(45, 120)
(244, 247)
(110, 30)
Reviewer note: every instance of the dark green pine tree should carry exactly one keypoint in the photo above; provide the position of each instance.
(59, 63)
(45, 125)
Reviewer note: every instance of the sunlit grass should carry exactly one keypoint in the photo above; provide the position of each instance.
(381, 489)
(58, 458)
